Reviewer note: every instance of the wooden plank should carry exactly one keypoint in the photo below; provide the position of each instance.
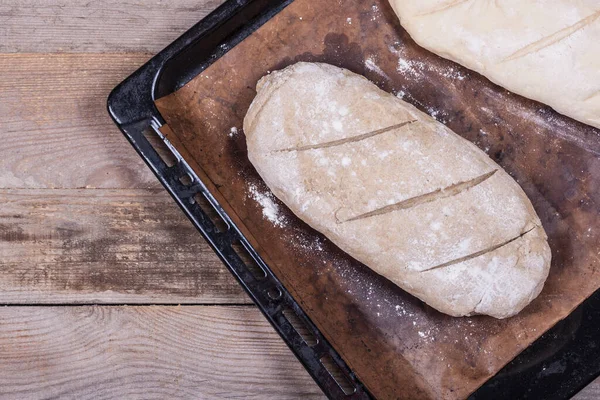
(106, 246)
(56, 131)
(146, 353)
(591, 392)
(47, 26)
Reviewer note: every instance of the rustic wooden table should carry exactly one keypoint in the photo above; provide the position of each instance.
(109, 291)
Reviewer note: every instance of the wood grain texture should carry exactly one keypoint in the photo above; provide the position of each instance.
(57, 26)
(61, 244)
(56, 134)
(55, 129)
(133, 245)
(592, 392)
(146, 353)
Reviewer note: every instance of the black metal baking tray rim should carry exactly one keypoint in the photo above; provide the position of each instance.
(131, 105)
(558, 365)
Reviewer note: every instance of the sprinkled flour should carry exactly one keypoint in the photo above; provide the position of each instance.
(372, 66)
(376, 12)
(233, 131)
(417, 69)
(308, 243)
(270, 209)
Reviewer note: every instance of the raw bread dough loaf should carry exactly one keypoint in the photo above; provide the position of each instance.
(546, 50)
(397, 190)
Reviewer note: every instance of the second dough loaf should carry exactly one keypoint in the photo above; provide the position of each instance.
(547, 50)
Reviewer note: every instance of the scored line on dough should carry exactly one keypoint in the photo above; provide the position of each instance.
(445, 7)
(553, 38)
(438, 194)
(479, 253)
(592, 96)
(352, 139)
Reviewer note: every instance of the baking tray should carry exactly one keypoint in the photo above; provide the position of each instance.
(570, 349)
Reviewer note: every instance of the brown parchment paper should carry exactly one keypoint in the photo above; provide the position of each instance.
(399, 347)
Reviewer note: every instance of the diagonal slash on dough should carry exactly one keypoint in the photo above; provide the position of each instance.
(479, 253)
(592, 96)
(553, 38)
(438, 194)
(352, 139)
(444, 7)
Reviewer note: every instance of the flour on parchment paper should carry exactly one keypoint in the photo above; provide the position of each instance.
(308, 243)
(270, 209)
(375, 12)
(371, 65)
(381, 299)
(416, 69)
